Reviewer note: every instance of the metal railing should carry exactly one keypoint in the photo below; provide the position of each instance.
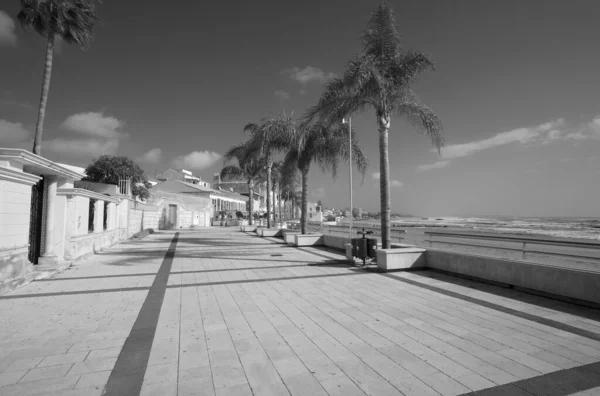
(396, 234)
(526, 246)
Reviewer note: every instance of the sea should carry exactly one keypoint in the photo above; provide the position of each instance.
(578, 228)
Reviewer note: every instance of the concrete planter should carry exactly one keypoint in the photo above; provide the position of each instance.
(271, 232)
(259, 231)
(248, 228)
(289, 236)
(309, 240)
(404, 258)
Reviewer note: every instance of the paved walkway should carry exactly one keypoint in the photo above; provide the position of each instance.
(218, 312)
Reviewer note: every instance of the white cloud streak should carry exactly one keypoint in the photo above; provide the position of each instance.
(8, 36)
(396, 183)
(307, 75)
(538, 135)
(151, 157)
(197, 160)
(376, 176)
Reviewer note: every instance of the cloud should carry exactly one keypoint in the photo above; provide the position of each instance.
(94, 124)
(595, 125)
(88, 148)
(307, 75)
(197, 160)
(282, 95)
(318, 193)
(393, 183)
(7, 30)
(435, 165)
(541, 134)
(151, 157)
(13, 132)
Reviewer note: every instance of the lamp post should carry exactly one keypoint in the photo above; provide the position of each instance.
(350, 167)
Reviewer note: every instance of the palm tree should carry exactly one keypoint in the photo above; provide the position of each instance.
(290, 180)
(70, 20)
(267, 137)
(380, 78)
(276, 177)
(324, 144)
(249, 167)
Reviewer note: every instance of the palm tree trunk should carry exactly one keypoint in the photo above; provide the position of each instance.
(292, 208)
(279, 202)
(303, 217)
(39, 127)
(251, 191)
(269, 194)
(384, 181)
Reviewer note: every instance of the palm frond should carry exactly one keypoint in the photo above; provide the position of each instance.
(424, 119)
(381, 38)
(71, 20)
(405, 69)
(232, 172)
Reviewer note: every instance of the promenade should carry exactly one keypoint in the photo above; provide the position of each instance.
(219, 312)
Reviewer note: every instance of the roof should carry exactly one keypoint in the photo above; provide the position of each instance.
(74, 168)
(178, 186)
(36, 164)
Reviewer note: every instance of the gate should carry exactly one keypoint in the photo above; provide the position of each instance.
(35, 221)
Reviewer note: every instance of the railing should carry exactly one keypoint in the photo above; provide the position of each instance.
(524, 248)
(396, 234)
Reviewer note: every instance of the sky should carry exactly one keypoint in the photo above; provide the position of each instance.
(516, 86)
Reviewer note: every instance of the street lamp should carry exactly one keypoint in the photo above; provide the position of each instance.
(349, 122)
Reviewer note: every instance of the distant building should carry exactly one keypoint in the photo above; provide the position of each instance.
(182, 175)
(315, 211)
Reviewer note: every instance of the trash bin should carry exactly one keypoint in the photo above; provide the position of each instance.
(359, 248)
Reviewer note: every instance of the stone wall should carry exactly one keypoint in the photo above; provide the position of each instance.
(79, 246)
(184, 218)
(15, 202)
(153, 219)
(134, 221)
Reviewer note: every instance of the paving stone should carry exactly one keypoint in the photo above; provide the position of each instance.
(228, 376)
(159, 389)
(37, 374)
(41, 387)
(55, 360)
(237, 390)
(93, 366)
(11, 377)
(161, 373)
(23, 364)
(95, 380)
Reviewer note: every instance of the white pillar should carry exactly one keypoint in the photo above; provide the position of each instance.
(98, 216)
(111, 216)
(48, 257)
(71, 226)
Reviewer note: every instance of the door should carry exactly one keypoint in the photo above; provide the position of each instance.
(35, 221)
(172, 217)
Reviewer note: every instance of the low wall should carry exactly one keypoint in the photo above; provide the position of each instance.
(556, 281)
(335, 242)
(79, 246)
(15, 268)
